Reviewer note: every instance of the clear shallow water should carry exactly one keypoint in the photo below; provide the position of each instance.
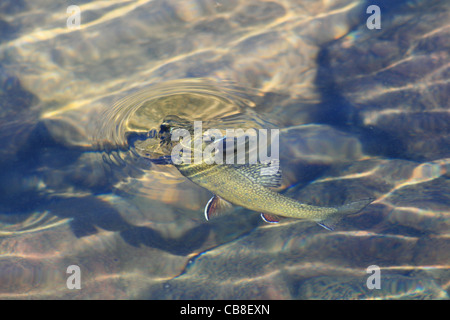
(361, 112)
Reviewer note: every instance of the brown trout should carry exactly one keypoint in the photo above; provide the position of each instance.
(245, 186)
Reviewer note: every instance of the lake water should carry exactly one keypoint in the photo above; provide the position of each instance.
(362, 113)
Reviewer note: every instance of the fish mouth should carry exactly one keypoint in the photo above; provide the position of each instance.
(163, 134)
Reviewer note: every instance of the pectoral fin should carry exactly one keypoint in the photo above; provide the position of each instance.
(216, 206)
(162, 160)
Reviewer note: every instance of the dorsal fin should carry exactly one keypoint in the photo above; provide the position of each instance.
(266, 174)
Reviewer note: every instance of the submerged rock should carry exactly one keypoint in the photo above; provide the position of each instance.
(362, 114)
(396, 78)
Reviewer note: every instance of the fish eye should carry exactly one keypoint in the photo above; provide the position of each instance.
(165, 128)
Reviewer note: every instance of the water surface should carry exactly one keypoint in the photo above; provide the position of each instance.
(362, 113)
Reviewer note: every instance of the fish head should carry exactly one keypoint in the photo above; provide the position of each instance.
(167, 128)
(215, 145)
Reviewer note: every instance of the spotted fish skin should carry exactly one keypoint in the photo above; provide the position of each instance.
(231, 184)
(238, 184)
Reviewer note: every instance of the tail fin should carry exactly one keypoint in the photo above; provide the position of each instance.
(344, 210)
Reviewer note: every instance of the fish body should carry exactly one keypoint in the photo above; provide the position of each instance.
(245, 186)
(232, 184)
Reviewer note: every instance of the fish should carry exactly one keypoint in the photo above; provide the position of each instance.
(244, 185)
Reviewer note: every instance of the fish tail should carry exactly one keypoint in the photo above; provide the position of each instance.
(354, 207)
(344, 210)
